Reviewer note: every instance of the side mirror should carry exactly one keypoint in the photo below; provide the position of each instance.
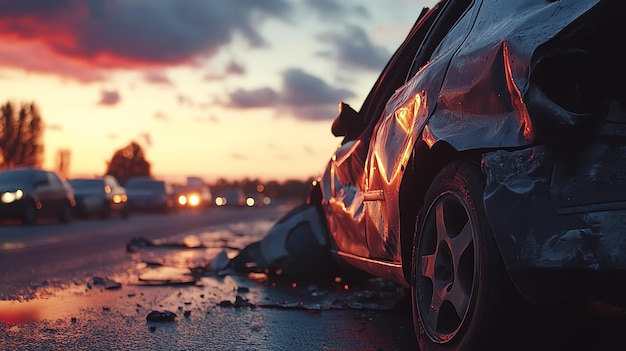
(349, 123)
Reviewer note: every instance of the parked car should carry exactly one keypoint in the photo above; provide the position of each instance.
(148, 194)
(101, 197)
(487, 161)
(28, 194)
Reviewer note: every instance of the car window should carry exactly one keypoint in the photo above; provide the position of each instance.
(448, 29)
(148, 184)
(395, 73)
(457, 33)
(54, 180)
(15, 176)
(84, 184)
(40, 178)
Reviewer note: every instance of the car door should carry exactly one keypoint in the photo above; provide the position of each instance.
(402, 125)
(345, 179)
(44, 192)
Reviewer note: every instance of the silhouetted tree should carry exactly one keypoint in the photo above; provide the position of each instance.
(21, 133)
(128, 162)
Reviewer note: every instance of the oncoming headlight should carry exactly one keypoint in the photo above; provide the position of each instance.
(194, 200)
(11, 196)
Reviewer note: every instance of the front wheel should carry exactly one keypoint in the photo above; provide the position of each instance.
(29, 215)
(459, 285)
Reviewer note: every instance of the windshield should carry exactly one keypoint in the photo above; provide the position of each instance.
(84, 184)
(16, 176)
(144, 184)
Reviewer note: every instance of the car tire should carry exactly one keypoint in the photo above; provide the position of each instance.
(65, 214)
(459, 287)
(29, 215)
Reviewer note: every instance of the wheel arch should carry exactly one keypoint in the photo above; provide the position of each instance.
(415, 183)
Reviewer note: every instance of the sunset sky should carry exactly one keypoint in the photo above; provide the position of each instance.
(210, 88)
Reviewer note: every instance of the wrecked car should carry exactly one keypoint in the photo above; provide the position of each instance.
(488, 162)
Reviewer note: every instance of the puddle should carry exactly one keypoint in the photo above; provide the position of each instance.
(61, 304)
(165, 276)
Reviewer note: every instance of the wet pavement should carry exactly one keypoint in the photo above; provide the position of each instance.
(165, 296)
(231, 312)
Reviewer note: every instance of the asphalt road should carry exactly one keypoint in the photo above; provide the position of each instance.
(54, 295)
(58, 291)
(51, 251)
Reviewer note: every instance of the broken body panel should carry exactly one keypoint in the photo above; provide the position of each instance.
(529, 90)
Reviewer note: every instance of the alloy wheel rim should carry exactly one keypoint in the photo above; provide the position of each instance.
(446, 268)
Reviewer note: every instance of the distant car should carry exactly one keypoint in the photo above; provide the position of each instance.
(488, 162)
(102, 197)
(149, 194)
(230, 197)
(257, 200)
(27, 194)
(194, 194)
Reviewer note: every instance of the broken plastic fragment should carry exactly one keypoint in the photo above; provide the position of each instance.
(297, 245)
(220, 262)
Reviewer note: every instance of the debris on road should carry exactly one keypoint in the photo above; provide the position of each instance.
(297, 245)
(161, 316)
(239, 302)
(108, 284)
(372, 294)
(137, 243)
(220, 262)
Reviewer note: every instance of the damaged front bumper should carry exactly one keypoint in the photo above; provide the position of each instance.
(559, 219)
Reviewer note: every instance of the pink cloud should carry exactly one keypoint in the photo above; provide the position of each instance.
(74, 34)
(109, 98)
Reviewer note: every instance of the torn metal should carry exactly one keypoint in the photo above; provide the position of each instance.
(535, 91)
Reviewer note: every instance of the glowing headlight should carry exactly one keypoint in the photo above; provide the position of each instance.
(182, 200)
(220, 201)
(11, 196)
(250, 202)
(194, 200)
